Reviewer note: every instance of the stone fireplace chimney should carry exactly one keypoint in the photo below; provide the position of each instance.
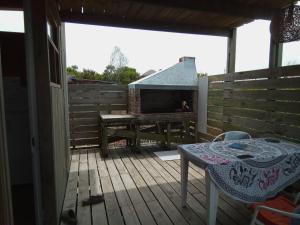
(163, 91)
(187, 59)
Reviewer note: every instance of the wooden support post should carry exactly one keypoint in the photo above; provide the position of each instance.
(202, 105)
(65, 91)
(40, 111)
(231, 49)
(168, 137)
(275, 55)
(6, 216)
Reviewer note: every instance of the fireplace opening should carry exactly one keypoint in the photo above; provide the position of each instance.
(165, 101)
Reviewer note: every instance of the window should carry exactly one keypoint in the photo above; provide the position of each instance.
(53, 50)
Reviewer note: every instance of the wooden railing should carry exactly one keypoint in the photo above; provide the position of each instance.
(86, 101)
(261, 102)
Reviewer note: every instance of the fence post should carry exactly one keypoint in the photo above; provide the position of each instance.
(202, 104)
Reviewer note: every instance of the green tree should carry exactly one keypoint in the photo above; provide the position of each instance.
(90, 74)
(127, 75)
(73, 70)
(109, 73)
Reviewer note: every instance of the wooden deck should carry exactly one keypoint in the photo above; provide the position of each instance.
(141, 189)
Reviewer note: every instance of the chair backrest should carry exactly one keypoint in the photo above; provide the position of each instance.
(294, 221)
(233, 135)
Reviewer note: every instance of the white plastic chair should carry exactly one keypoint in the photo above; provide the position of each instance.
(232, 135)
(255, 219)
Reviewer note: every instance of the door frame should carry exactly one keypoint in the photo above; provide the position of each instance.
(6, 215)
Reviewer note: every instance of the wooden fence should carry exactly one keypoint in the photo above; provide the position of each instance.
(261, 102)
(86, 101)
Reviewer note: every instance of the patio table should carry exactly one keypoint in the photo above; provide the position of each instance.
(249, 170)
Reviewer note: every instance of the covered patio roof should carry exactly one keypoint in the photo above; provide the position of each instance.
(212, 17)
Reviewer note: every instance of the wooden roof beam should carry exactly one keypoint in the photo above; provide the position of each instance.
(11, 5)
(76, 17)
(224, 7)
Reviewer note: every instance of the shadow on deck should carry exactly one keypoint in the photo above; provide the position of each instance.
(141, 189)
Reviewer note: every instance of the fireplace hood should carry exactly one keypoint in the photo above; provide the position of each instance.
(181, 76)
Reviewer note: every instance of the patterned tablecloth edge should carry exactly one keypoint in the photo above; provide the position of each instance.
(262, 199)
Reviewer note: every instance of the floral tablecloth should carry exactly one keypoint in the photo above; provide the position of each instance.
(271, 168)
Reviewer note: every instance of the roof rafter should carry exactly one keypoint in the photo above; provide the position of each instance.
(106, 20)
(11, 4)
(223, 7)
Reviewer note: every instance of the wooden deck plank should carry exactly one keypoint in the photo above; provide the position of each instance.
(168, 187)
(83, 212)
(112, 207)
(70, 202)
(157, 211)
(163, 199)
(238, 206)
(141, 208)
(125, 204)
(224, 207)
(141, 189)
(200, 195)
(98, 210)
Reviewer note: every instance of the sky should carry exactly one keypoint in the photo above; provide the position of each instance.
(90, 46)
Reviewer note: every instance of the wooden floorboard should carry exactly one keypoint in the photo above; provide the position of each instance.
(141, 189)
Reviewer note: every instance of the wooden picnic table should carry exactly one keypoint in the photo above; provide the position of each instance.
(136, 127)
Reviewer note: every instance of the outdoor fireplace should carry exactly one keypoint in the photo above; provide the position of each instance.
(166, 90)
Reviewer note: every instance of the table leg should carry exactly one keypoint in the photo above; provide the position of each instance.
(138, 139)
(104, 141)
(168, 136)
(184, 178)
(212, 195)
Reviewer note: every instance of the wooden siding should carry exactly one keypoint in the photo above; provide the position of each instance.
(86, 101)
(262, 102)
(141, 189)
(6, 215)
(59, 145)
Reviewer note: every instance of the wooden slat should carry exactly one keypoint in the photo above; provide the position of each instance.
(98, 210)
(286, 71)
(279, 106)
(262, 84)
(156, 210)
(164, 201)
(173, 176)
(85, 135)
(83, 212)
(289, 95)
(86, 141)
(97, 108)
(71, 191)
(113, 212)
(80, 129)
(96, 100)
(142, 189)
(84, 121)
(98, 87)
(277, 117)
(125, 204)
